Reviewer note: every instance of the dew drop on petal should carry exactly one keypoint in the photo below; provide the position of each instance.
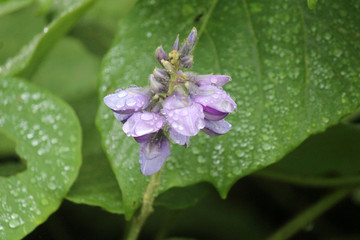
(130, 102)
(146, 116)
(122, 94)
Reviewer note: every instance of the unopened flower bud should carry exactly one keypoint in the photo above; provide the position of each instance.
(192, 37)
(176, 44)
(160, 55)
(187, 62)
(185, 49)
(157, 86)
(161, 75)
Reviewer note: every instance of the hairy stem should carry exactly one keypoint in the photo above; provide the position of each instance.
(146, 209)
(306, 217)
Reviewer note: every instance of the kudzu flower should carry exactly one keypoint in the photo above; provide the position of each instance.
(175, 106)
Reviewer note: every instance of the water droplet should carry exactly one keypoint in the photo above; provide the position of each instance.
(146, 116)
(122, 94)
(44, 201)
(201, 159)
(51, 186)
(266, 146)
(13, 223)
(130, 102)
(195, 150)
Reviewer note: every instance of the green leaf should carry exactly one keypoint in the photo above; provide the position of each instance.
(18, 29)
(178, 198)
(295, 72)
(327, 159)
(69, 71)
(7, 146)
(10, 6)
(25, 63)
(97, 29)
(96, 184)
(44, 5)
(48, 137)
(311, 3)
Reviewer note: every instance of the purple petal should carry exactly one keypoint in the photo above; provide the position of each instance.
(183, 115)
(128, 101)
(122, 117)
(140, 124)
(215, 101)
(143, 138)
(218, 80)
(154, 153)
(176, 44)
(192, 37)
(178, 138)
(213, 114)
(216, 128)
(201, 80)
(160, 54)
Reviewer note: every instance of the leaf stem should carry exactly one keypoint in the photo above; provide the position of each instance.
(314, 211)
(146, 209)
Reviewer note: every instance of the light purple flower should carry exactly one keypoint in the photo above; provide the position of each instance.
(128, 101)
(176, 105)
(153, 153)
(183, 115)
(140, 124)
(217, 104)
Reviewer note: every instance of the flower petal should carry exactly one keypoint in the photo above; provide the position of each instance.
(201, 80)
(215, 101)
(183, 115)
(122, 117)
(140, 124)
(216, 128)
(179, 138)
(153, 154)
(128, 101)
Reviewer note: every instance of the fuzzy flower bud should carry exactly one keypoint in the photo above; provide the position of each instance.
(187, 62)
(161, 55)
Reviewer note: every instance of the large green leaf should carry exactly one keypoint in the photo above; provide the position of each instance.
(26, 62)
(9, 6)
(295, 72)
(326, 159)
(17, 29)
(69, 71)
(48, 137)
(96, 184)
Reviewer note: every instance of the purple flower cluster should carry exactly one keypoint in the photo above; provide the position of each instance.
(176, 106)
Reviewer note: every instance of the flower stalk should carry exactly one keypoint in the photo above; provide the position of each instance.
(139, 219)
